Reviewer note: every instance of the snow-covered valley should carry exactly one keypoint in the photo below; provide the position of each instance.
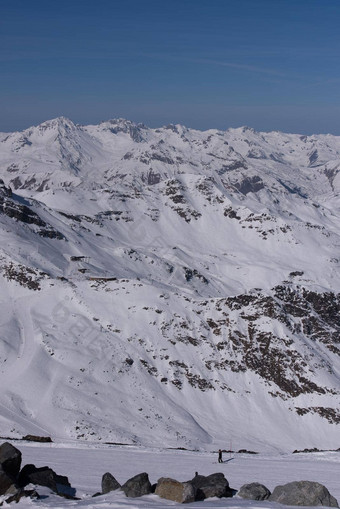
(170, 287)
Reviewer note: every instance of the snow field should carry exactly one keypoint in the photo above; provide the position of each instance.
(84, 464)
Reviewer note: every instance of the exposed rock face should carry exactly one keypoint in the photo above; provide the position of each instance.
(254, 491)
(315, 315)
(16, 208)
(5, 191)
(109, 483)
(305, 493)
(181, 492)
(137, 486)
(250, 185)
(25, 276)
(10, 459)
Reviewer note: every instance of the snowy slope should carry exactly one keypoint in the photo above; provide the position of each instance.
(170, 286)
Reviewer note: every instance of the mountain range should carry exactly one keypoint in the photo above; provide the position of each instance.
(170, 287)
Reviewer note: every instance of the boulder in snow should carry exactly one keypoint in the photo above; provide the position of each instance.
(45, 476)
(170, 489)
(254, 491)
(6, 481)
(109, 483)
(137, 486)
(10, 459)
(214, 485)
(305, 493)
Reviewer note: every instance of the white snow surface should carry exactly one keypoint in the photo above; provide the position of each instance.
(119, 329)
(84, 465)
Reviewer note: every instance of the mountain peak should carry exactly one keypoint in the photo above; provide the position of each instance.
(121, 125)
(58, 122)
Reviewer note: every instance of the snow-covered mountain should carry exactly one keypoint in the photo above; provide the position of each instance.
(170, 286)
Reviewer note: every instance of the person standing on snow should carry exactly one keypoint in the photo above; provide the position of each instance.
(220, 456)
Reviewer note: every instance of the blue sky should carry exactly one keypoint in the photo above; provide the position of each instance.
(268, 64)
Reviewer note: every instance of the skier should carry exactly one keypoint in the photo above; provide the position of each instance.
(220, 456)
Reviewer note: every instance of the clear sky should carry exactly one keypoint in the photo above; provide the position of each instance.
(268, 64)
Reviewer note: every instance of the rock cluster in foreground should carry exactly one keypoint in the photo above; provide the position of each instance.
(302, 493)
(14, 479)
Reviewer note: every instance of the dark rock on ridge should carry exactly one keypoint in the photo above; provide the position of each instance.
(17, 208)
(35, 438)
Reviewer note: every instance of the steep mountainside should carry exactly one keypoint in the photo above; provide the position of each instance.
(170, 286)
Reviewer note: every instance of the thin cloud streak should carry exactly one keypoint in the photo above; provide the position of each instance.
(293, 77)
(242, 67)
(221, 63)
(299, 80)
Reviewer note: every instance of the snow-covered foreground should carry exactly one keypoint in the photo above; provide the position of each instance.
(84, 464)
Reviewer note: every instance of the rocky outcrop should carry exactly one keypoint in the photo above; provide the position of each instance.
(19, 209)
(36, 438)
(4, 190)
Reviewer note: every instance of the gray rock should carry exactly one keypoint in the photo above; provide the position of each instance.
(20, 494)
(6, 481)
(109, 483)
(35, 438)
(214, 485)
(305, 493)
(13, 490)
(10, 459)
(170, 489)
(254, 491)
(45, 476)
(137, 486)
